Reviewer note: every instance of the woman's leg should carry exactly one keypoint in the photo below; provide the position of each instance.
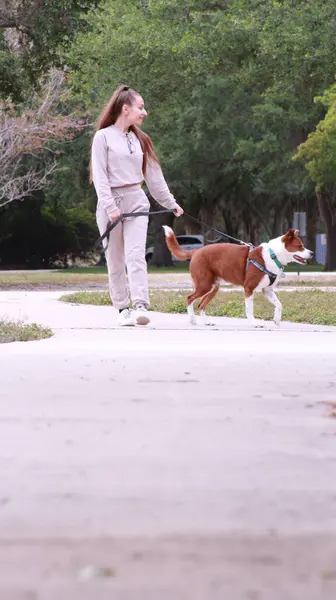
(135, 235)
(115, 260)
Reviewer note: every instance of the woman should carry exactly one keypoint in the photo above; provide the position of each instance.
(122, 158)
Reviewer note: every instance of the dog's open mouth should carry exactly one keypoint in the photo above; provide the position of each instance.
(299, 259)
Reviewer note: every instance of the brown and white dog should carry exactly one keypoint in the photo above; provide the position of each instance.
(256, 269)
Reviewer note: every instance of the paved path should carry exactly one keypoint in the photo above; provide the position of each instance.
(165, 463)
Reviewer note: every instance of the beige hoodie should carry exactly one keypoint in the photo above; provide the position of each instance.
(117, 162)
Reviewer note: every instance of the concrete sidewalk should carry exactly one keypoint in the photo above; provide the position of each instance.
(45, 309)
(165, 463)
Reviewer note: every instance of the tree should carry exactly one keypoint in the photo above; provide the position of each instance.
(230, 88)
(39, 136)
(164, 51)
(319, 154)
(26, 139)
(34, 35)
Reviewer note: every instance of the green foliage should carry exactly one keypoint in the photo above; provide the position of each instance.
(34, 234)
(319, 154)
(70, 182)
(319, 150)
(40, 34)
(230, 90)
(13, 78)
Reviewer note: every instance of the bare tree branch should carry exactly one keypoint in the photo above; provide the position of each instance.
(26, 139)
(24, 185)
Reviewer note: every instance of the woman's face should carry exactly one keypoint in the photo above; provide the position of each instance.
(135, 113)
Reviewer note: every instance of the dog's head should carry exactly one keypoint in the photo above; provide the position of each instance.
(293, 248)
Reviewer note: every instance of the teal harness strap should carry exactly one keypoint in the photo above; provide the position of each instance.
(276, 260)
(272, 276)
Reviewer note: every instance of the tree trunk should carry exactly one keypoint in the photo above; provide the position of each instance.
(190, 227)
(206, 213)
(312, 217)
(326, 203)
(278, 219)
(161, 254)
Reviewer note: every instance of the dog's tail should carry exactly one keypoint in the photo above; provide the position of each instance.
(174, 246)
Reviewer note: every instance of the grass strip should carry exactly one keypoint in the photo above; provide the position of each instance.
(16, 331)
(316, 307)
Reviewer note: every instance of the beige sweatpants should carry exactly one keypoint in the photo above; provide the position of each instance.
(126, 248)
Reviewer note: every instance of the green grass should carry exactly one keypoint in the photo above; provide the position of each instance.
(53, 279)
(177, 267)
(16, 331)
(82, 270)
(82, 276)
(96, 277)
(314, 307)
(180, 267)
(293, 268)
(94, 298)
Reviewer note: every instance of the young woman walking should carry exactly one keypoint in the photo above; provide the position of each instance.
(122, 158)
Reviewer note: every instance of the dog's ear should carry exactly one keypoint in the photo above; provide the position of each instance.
(290, 235)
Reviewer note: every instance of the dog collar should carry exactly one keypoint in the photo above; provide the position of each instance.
(276, 260)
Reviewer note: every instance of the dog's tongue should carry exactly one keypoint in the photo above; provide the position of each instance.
(299, 258)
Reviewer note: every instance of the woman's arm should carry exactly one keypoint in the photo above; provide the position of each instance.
(158, 187)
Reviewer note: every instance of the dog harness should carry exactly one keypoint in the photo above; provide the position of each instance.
(272, 276)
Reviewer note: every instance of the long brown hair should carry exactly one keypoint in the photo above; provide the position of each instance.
(110, 113)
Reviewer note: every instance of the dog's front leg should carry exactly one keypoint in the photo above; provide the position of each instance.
(249, 307)
(273, 299)
(205, 319)
(191, 313)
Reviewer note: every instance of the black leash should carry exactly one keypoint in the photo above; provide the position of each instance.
(123, 216)
(217, 231)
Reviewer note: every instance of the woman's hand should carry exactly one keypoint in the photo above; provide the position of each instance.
(178, 211)
(115, 214)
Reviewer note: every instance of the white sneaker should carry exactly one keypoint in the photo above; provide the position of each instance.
(141, 315)
(125, 318)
